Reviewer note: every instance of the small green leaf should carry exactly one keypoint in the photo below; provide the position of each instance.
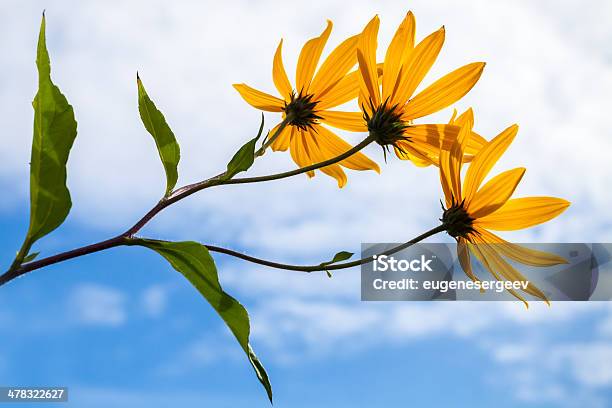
(55, 130)
(245, 157)
(156, 125)
(339, 257)
(195, 263)
(31, 257)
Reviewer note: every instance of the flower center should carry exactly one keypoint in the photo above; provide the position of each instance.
(385, 125)
(457, 220)
(301, 111)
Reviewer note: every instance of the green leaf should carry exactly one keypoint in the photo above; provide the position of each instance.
(339, 257)
(245, 157)
(195, 263)
(54, 132)
(156, 125)
(31, 257)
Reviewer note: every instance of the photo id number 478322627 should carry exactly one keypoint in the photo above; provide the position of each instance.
(30, 394)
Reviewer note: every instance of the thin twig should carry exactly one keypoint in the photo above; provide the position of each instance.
(318, 268)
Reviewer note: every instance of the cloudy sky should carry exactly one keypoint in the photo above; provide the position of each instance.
(122, 329)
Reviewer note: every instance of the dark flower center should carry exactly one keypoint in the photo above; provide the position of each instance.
(385, 125)
(301, 111)
(457, 220)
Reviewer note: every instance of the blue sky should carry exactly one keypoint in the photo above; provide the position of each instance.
(122, 329)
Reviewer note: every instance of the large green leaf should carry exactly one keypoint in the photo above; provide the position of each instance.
(194, 261)
(244, 157)
(156, 125)
(54, 132)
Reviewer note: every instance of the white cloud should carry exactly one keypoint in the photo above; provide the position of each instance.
(92, 304)
(318, 326)
(206, 349)
(570, 374)
(605, 324)
(154, 300)
(509, 353)
(590, 363)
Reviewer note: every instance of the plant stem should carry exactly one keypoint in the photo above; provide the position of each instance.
(165, 202)
(318, 268)
(122, 240)
(64, 256)
(190, 189)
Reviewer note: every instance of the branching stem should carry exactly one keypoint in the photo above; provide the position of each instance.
(174, 197)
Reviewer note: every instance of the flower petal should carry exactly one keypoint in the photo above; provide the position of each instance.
(475, 142)
(309, 59)
(366, 56)
(400, 46)
(343, 91)
(436, 136)
(464, 259)
(418, 63)
(482, 256)
(520, 253)
(332, 145)
(430, 139)
(520, 213)
(456, 152)
(445, 181)
(299, 151)
(352, 121)
(419, 156)
(279, 75)
(317, 156)
(260, 100)
(484, 161)
(281, 143)
(498, 266)
(445, 91)
(335, 67)
(450, 164)
(495, 193)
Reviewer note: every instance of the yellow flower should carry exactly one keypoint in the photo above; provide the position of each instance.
(390, 107)
(471, 210)
(308, 103)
